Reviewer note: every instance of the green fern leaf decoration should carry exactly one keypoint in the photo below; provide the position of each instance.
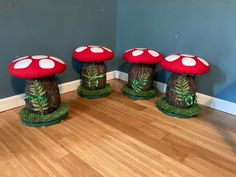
(182, 91)
(138, 85)
(37, 96)
(93, 76)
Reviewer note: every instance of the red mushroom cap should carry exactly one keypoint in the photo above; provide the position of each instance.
(36, 66)
(142, 55)
(92, 54)
(185, 64)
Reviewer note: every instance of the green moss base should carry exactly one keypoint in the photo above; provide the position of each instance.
(174, 111)
(143, 95)
(94, 94)
(37, 120)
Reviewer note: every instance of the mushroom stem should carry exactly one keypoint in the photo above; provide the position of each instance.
(94, 76)
(141, 77)
(181, 90)
(42, 95)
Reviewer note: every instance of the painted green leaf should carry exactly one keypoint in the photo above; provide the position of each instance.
(182, 91)
(93, 76)
(37, 97)
(138, 85)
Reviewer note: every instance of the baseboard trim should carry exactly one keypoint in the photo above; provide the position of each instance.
(215, 103)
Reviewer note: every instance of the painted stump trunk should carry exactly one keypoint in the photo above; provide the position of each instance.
(42, 95)
(181, 90)
(93, 76)
(141, 77)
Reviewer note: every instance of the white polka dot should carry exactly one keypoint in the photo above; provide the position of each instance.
(109, 50)
(38, 57)
(137, 53)
(46, 64)
(97, 50)
(128, 50)
(23, 64)
(153, 53)
(172, 58)
(203, 61)
(57, 59)
(189, 62)
(186, 55)
(81, 49)
(20, 58)
(140, 48)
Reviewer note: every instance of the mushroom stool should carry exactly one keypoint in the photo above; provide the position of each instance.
(180, 99)
(94, 70)
(42, 97)
(141, 71)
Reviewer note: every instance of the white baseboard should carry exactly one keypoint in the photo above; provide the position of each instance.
(215, 103)
(11, 102)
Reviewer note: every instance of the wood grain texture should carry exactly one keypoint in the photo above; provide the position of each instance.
(137, 72)
(100, 69)
(119, 137)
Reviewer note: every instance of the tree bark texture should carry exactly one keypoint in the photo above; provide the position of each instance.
(181, 90)
(141, 77)
(42, 95)
(94, 76)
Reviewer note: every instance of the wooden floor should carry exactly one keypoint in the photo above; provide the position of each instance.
(120, 137)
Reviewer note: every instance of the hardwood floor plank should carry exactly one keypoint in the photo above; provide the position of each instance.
(207, 168)
(131, 130)
(76, 167)
(84, 127)
(191, 148)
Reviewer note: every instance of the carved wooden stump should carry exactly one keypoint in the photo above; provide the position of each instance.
(93, 76)
(42, 95)
(141, 77)
(181, 90)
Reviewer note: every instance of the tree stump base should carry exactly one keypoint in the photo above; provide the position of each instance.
(141, 77)
(181, 91)
(140, 82)
(42, 95)
(180, 98)
(93, 76)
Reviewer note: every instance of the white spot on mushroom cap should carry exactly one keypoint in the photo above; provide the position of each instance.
(81, 49)
(203, 61)
(23, 64)
(46, 64)
(37, 57)
(97, 50)
(109, 50)
(153, 53)
(20, 58)
(186, 55)
(128, 50)
(172, 58)
(57, 59)
(188, 62)
(137, 53)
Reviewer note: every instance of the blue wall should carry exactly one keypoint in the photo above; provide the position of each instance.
(201, 27)
(55, 27)
(52, 27)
